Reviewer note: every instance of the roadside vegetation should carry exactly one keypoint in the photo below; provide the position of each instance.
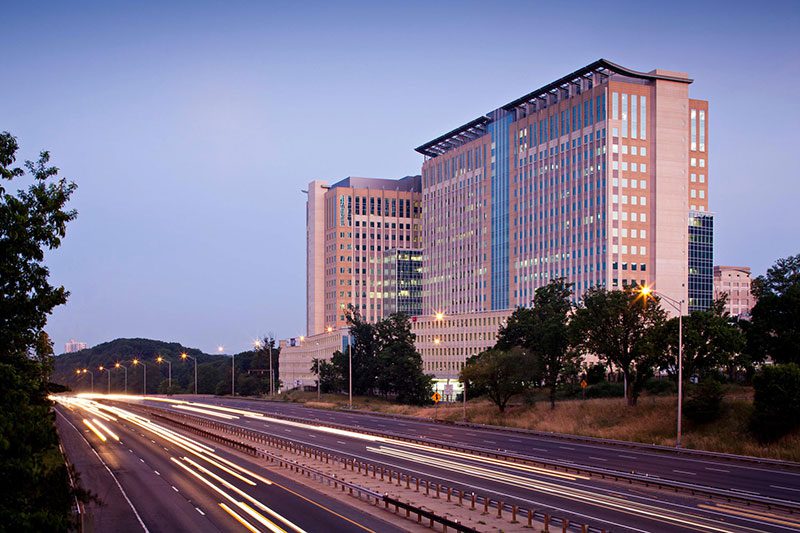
(35, 493)
(539, 352)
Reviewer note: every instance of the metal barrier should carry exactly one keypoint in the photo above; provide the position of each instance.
(290, 446)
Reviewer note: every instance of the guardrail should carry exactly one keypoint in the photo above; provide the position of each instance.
(564, 466)
(779, 463)
(474, 501)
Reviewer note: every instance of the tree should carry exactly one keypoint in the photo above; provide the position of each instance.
(710, 341)
(329, 378)
(619, 326)
(400, 363)
(365, 351)
(35, 493)
(775, 328)
(501, 373)
(776, 402)
(543, 332)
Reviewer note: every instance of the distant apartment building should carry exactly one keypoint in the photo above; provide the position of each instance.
(74, 346)
(600, 177)
(734, 281)
(351, 227)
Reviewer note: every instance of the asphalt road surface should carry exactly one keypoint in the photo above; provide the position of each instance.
(153, 478)
(617, 506)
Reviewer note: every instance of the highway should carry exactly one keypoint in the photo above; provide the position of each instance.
(616, 506)
(153, 478)
(783, 483)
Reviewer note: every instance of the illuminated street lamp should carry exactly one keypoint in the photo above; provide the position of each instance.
(160, 360)
(221, 350)
(257, 344)
(185, 356)
(125, 368)
(678, 306)
(83, 371)
(144, 373)
(108, 373)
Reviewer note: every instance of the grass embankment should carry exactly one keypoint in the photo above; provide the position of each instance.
(652, 421)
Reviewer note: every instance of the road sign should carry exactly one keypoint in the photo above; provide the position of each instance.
(448, 389)
(584, 384)
(436, 397)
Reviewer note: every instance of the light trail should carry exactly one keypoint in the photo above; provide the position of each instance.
(592, 498)
(241, 505)
(95, 430)
(236, 516)
(105, 428)
(246, 496)
(207, 412)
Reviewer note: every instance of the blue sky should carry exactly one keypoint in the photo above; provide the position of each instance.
(191, 129)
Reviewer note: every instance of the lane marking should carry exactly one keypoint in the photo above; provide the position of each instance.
(718, 470)
(157, 472)
(199, 511)
(566, 448)
(539, 449)
(747, 491)
(124, 494)
(515, 440)
(598, 458)
(174, 488)
(490, 442)
(685, 472)
(784, 488)
(627, 456)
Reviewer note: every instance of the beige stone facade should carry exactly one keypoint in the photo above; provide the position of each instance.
(734, 281)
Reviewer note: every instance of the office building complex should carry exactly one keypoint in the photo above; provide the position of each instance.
(596, 177)
(350, 227)
(734, 281)
(72, 346)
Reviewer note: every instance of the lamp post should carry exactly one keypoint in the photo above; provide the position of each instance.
(108, 373)
(144, 373)
(186, 356)
(123, 367)
(84, 371)
(221, 350)
(160, 360)
(678, 306)
(258, 345)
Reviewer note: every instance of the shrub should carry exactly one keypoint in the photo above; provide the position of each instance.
(705, 402)
(605, 389)
(595, 373)
(657, 386)
(776, 402)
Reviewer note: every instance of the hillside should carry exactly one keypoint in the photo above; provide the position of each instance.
(213, 371)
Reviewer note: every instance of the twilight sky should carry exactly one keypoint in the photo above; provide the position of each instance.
(191, 129)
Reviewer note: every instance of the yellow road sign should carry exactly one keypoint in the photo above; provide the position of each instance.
(436, 397)
(584, 384)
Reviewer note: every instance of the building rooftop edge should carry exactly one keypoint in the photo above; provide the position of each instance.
(600, 64)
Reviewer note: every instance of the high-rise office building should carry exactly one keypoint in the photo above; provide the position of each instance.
(350, 227)
(599, 177)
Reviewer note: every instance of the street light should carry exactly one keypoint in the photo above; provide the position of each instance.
(144, 373)
(81, 371)
(160, 360)
(221, 350)
(185, 356)
(108, 373)
(350, 370)
(125, 368)
(678, 306)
